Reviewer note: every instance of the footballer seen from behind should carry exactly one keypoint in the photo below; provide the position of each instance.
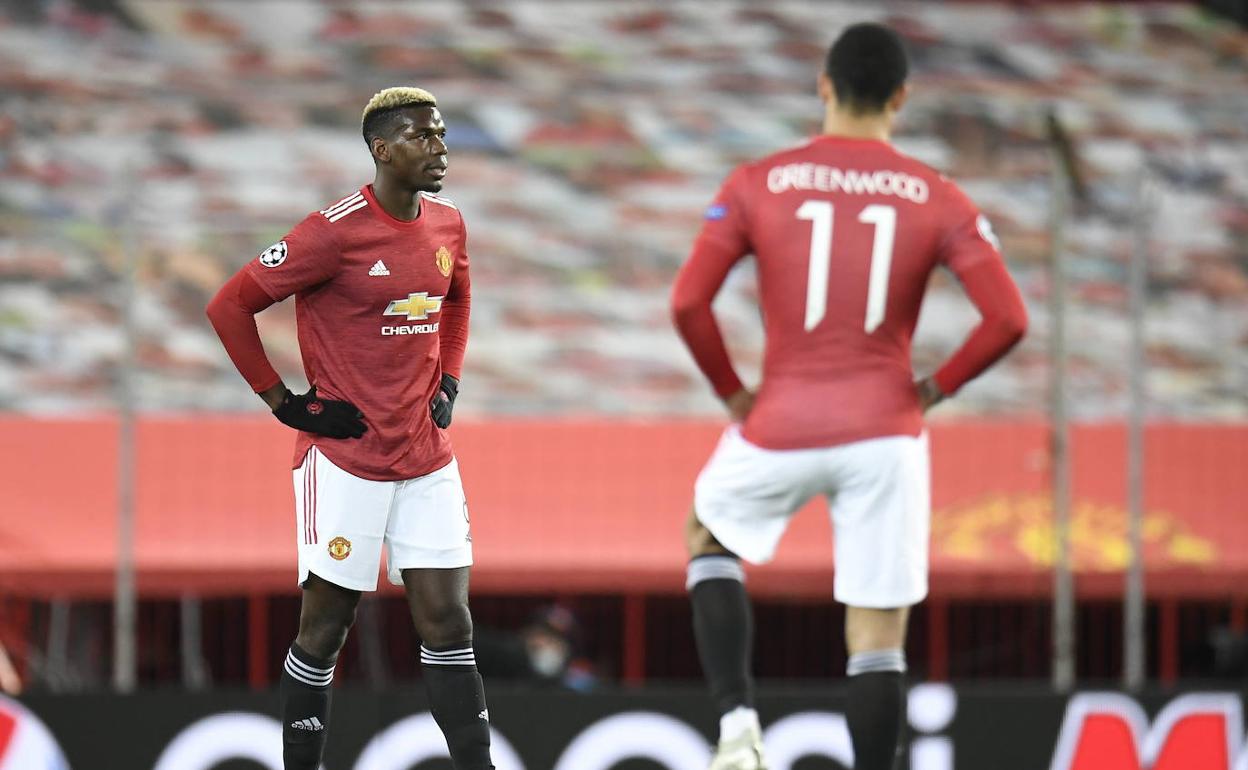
(381, 287)
(845, 232)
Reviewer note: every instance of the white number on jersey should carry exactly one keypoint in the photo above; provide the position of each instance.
(819, 214)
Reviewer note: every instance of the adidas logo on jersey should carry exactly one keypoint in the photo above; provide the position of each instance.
(485, 714)
(313, 725)
(379, 269)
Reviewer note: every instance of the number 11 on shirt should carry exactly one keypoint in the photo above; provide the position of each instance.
(819, 214)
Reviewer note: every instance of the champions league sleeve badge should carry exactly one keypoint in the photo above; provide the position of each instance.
(274, 255)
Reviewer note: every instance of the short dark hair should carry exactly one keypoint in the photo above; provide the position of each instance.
(380, 118)
(384, 122)
(867, 64)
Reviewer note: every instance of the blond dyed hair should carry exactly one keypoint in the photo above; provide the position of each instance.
(398, 96)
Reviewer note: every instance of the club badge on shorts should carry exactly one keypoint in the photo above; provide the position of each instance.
(339, 548)
(443, 260)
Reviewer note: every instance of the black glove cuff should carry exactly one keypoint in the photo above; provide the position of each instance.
(449, 386)
(287, 401)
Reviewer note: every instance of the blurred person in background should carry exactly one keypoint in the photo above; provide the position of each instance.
(545, 652)
(382, 303)
(845, 232)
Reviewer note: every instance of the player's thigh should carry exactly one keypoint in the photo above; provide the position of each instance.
(745, 494)
(429, 527)
(340, 523)
(881, 514)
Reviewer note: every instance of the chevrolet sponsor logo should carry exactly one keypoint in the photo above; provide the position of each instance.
(416, 307)
(391, 331)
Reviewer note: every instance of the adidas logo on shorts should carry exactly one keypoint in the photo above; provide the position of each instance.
(485, 714)
(313, 725)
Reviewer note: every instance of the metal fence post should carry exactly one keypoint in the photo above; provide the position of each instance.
(1134, 650)
(1063, 580)
(125, 658)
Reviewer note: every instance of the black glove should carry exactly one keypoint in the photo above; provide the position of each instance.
(306, 412)
(444, 401)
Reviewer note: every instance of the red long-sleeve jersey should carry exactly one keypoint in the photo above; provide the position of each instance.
(845, 234)
(382, 309)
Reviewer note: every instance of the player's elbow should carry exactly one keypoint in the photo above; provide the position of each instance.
(681, 308)
(223, 310)
(687, 313)
(215, 309)
(688, 304)
(1012, 326)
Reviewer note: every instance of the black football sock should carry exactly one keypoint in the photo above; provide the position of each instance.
(723, 626)
(305, 691)
(457, 701)
(875, 707)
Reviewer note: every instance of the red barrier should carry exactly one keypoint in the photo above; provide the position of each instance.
(599, 507)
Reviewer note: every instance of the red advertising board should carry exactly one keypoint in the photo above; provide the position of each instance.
(599, 506)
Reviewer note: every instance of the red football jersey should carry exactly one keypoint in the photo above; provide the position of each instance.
(371, 293)
(845, 234)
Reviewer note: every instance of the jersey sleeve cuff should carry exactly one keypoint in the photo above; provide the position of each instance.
(266, 383)
(726, 388)
(947, 381)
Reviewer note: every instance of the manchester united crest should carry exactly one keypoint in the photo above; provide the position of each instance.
(339, 548)
(443, 259)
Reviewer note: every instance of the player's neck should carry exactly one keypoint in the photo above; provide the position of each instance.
(852, 126)
(398, 201)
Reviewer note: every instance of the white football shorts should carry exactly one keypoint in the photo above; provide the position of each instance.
(879, 491)
(343, 521)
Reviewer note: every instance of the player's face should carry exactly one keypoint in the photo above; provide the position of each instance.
(418, 149)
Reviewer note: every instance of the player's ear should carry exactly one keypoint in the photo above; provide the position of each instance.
(381, 151)
(899, 97)
(827, 94)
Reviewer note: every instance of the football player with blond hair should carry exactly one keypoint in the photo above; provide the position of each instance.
(381, 288)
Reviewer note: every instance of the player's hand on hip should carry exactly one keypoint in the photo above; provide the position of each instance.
(739, 404)
(334, 419)
(444, 401)
(929, 393)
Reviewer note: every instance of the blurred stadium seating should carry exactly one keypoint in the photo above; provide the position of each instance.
(587, 137)
(585, 143)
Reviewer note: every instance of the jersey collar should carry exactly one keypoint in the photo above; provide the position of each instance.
(835, 139)
(384, 217)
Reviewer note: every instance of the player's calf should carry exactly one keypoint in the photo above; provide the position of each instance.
(876, 671)
(457, 702)
(305, 693)
(723, 628)
(876, 698)
(326, 614)
(438, 600)
(456, 692)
